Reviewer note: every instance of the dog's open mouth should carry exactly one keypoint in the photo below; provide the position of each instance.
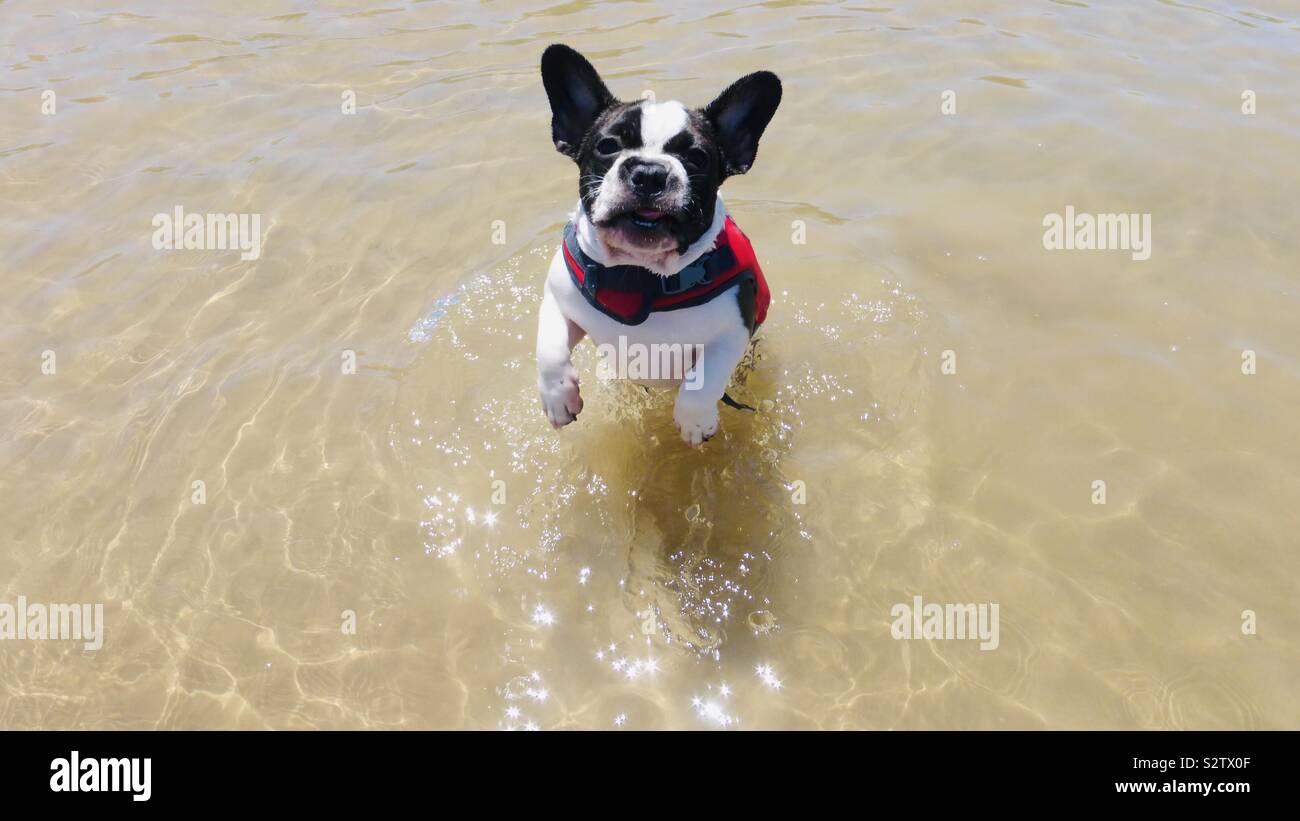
(647, 217)
(643, 219)
(633, 232)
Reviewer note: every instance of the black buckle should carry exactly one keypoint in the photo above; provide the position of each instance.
(686, 279)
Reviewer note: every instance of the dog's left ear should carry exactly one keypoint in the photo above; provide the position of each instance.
(577, 96)
(739, 116)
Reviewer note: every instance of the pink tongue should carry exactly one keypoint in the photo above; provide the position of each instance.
(649, 213)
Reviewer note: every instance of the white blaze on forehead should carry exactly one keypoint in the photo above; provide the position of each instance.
(660, 122)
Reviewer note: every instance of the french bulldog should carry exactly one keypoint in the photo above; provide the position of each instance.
(651, 261)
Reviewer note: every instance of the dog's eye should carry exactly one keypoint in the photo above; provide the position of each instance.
(697, 159)
(608, 145)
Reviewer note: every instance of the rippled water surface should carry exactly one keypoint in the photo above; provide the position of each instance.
(503, 575)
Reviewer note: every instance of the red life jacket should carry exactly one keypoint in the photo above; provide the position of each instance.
(630, 293)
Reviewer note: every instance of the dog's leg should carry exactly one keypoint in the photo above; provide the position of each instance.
(557, 381)
(696, 412)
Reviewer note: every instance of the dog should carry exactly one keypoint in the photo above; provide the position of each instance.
(651, 259)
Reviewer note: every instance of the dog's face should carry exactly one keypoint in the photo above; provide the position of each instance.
(648, 172)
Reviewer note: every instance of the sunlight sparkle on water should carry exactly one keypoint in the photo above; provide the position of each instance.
(543, 616)
(768, 676)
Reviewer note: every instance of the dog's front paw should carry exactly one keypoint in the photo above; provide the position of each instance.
(560, 398)
(696, 420)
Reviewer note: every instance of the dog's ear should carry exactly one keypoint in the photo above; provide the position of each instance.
(577, 96)
(739, 115)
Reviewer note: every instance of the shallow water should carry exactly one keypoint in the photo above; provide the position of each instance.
(504, 575)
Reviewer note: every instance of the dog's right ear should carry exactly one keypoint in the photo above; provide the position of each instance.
(577, 96)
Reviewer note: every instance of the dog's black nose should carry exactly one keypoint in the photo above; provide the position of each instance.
(648, 179)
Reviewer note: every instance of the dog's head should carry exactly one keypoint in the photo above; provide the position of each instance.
(648, 172)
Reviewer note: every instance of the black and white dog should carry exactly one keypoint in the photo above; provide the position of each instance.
(651, 258)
